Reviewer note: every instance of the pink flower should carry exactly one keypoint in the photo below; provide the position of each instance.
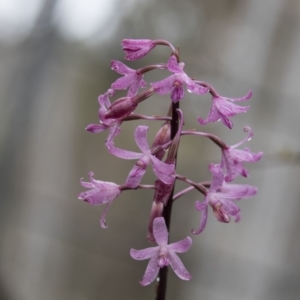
(222, 108)
(162, 255)
(101, 192)
(233, 159)
(112, 124)
(174, 83)
(135, 49)
(220, 197)
(131, 79)
(162, 170)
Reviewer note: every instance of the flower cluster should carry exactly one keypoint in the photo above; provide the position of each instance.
(219, 193)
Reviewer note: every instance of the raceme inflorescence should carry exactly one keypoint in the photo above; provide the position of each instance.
(219, 192)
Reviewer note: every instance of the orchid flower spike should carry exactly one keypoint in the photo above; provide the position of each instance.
(162, 255)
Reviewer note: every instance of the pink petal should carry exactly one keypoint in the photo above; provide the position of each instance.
(100, 195)
(181, 246)
(104, 99)
(95, 128)
(204, 208)
(243, 155)
(144, 253)
(151, 271)
(238, 191)
(246, 97)
(135, 49)
(229, 109)
(121, 68)
(194, 87)
(217, 177)
(124, 82)
(135, 176)
(140, 136)
(113, 132)
(173, 65)
(162, 191)
(160, 231)
(178, 266)
(103, 216)
(164, 86)
(165, 172)
(228, 206)
(177, 93)
(124, 153)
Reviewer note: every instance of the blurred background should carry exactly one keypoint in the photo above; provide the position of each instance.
(54, 62)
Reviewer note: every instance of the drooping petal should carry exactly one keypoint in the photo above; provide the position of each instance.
(164, 171)
(113, 132)
(135, 175)
(160, 231)
(181, 246)
(103, 216)
(125, 154)
(201, 206)
(96, 128)
(178, 266)
(151, 271)
(140, 136)
(144, 253)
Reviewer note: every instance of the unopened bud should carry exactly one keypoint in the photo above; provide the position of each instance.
(156, 211)
(120, 108)
(162, 191)
(161, 138)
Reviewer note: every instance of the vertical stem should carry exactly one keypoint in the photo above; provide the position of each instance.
(163, 273)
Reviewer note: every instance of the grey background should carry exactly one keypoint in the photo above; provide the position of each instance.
(55, 61)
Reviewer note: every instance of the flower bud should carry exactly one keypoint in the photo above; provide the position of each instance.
(120, 108)
(161, 138)
(162, 191)
(156, 211)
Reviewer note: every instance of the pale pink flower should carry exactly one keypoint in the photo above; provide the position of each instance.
(162, 255)
(174, 83)
(221, 197)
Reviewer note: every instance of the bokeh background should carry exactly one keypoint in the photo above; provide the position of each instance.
(55, 61)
